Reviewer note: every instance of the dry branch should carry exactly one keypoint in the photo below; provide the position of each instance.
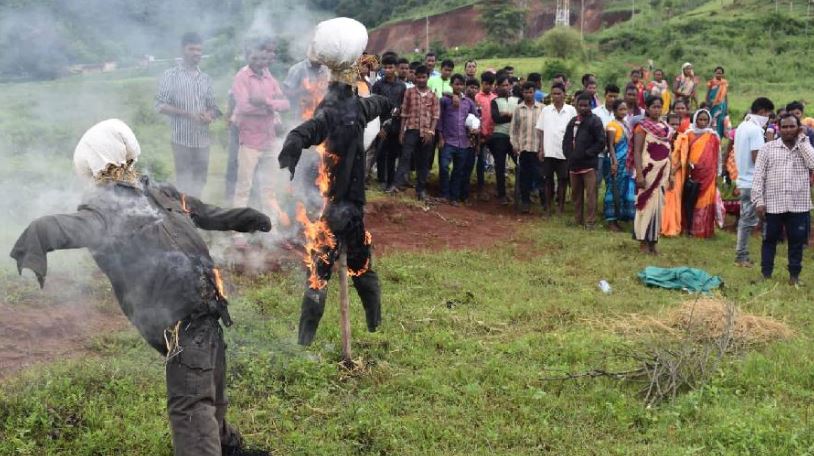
(705, 331)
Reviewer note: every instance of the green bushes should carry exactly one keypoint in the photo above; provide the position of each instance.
(552, 67)
(561, 42)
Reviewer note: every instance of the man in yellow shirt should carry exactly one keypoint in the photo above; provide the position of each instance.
(442, 85)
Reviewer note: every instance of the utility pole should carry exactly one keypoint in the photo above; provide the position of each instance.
(582, 20)
(563, 16)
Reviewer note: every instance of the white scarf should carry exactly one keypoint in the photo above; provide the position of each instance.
(701, 131)
(760, 121)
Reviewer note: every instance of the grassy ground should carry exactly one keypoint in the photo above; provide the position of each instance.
(457, 367)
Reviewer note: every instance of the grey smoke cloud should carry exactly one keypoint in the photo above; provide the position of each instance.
(42, 121)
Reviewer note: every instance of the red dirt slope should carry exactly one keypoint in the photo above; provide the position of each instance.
(462, 26)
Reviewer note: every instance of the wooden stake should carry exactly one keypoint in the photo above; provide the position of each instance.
(344, 307)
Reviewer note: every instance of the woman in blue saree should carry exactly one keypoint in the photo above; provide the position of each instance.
(717, 101)
(620, 196)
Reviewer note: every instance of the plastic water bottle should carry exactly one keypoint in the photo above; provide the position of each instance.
(605, 286)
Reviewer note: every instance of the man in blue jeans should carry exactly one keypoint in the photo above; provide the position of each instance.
(781, 194)
(748, 141)
(453, 140)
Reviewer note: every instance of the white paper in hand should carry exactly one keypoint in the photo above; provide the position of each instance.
(472, 122)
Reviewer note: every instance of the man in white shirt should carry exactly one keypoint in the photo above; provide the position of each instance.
(605, 111)
(551, 126)
(749, 138)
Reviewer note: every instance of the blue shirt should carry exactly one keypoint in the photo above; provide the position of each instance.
(452, 123)
(748, 137)
(539, 95)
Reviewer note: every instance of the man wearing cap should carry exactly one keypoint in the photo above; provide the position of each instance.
(144, 237)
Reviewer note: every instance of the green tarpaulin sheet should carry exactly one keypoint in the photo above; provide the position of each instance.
(682, 278)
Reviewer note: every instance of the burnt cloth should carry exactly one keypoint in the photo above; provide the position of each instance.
(339, 122)
(196, 391)
(148, 246)
(347, 224)
(144, 238)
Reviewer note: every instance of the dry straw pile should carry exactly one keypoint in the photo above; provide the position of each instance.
(703, 319)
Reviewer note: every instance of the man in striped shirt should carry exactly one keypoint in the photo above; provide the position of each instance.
(526, 143)
(185, 94)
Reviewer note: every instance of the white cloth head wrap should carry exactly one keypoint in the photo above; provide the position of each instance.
(337, 44)
(108, 142)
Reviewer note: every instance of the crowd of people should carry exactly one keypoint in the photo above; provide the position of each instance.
(651, 151)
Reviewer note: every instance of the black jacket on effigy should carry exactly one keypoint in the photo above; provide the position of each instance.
(340, 122)
(145, 238)
(583, 151)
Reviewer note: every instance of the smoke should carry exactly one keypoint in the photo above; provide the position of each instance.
(289, 22)
(44, 115)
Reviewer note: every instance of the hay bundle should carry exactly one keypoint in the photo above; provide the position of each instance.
(704, 319)
(708, 318)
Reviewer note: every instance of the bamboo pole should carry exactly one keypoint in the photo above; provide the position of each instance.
(344, 307)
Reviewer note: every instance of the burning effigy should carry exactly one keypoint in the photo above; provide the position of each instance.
(144, 236)
(337, 129)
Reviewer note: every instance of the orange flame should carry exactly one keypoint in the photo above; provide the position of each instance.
(318, 237)
(219, 282)
(316, 91)
(366, 267)
(318, 240)
(361, 271)
(282, 217)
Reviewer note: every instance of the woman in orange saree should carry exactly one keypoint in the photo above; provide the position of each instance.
(671, 215)
(705, 150)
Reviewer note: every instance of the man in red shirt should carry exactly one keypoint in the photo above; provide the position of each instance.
(484, 101)
(257, 98)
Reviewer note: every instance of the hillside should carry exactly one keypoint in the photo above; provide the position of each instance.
(776, 61)
(374, 13)
(463, 25)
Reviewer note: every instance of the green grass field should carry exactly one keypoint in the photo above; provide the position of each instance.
(460, 378)
(468, 336)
